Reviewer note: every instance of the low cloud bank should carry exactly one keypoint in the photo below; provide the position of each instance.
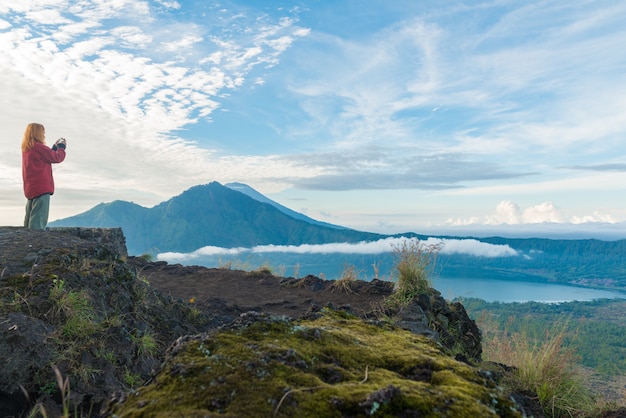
(449, 246)
(510, 213)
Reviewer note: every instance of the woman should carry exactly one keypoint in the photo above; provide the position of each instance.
(37, 161)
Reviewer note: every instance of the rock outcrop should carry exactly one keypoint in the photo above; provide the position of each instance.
(69, 300)
(331, 365)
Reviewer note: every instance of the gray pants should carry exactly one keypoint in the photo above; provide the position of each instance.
(37, 212)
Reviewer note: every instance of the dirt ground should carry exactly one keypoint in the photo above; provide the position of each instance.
(227, 293)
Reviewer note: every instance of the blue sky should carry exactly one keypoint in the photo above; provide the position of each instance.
(385, 116)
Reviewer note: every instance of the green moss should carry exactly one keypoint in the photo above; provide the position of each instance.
(332, 366)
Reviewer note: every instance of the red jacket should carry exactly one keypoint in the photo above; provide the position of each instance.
(37, 169)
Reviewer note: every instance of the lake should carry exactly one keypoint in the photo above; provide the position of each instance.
(507, 291)
(486, 284)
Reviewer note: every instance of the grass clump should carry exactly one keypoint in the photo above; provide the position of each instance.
(544, 367)
(145, 344)
(73, 309)
(347, 280)
(262, 270)
(146, 257)
(415, 264)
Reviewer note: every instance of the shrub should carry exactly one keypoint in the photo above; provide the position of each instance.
(415, 264)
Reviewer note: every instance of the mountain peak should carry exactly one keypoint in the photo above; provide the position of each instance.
(249, 191)
(211, 215)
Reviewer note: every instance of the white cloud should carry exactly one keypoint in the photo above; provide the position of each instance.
(388, 245)
(474, 247)
(132, 37)
(509, 213)
(597, 216)
(185, 42)
(544, 212)
(169, 4)
(506, 213)
(523, 84)
(302, 32)
(355, 87)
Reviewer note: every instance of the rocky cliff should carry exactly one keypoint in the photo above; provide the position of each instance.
(85, 327)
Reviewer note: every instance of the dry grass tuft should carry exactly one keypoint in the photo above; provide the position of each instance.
(347, 280)
(415, 264)
(544, 367)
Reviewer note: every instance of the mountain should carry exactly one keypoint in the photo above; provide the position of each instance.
(209, 215)
(249, 191)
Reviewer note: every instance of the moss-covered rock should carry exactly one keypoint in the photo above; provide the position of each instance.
(332, 365)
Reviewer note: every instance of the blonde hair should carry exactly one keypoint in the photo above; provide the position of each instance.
(35, 132)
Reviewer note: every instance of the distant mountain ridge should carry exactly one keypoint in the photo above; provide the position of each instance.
(211, 215)
(229, 217)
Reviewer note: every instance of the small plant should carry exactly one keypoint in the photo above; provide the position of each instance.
(49, 388)
(281, 270)
(19, 301)
(233, 264)
(106, 354)
(380, 311)
(296, 270)
(73, 309)
(78, 264)
(115, 320)
(141, 289)
(146, 257)
(415, 264)
(79, 326)
(146, 344)
(299, 283)
(58, 288)
(347, 280)
(85, 373)
(64, 386)
(225, 264)
(244, 265)
(263, 269)
(376, 268)
(133, 380)
(193, 313)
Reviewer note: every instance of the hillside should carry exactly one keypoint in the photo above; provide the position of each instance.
(208, 215)
(111, 327)
(583, 262)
